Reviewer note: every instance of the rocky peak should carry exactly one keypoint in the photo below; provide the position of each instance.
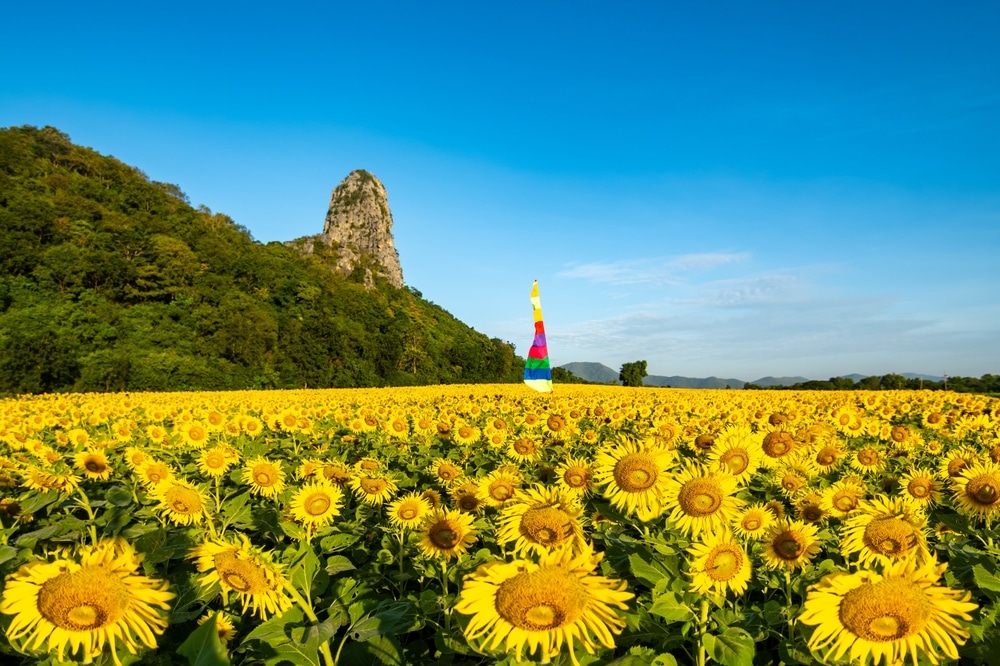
(359, 224)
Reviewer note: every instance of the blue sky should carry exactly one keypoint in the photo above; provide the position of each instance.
(729, 189)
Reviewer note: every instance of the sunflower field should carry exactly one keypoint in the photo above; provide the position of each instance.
(490, 524)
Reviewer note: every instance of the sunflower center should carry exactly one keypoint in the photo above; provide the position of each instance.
(467, 502)
(549, 526)
(524, 446)
(890, 536)
(94, 466)
(983, 490)
(737, 460)
(724, 562)
(777, 444)
(215, 460)
(183, 500)
(751, 522)
(812, 513)
(792, 482)
(919, 488)
(636, 472)
(788, 546)
(827, 456)
(845, 500)
(576, 477)
(889, 610)
(448, 472)
(83, 600)
(317, 504)
(555, 423)
(241, 575)
(700, 497)
(541, 600)
(956, 466)
(868, 457)
(265, 475)
(408, 511)
(373, 486)
(443, 535)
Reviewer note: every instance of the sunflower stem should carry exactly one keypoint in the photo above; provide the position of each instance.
(788, 603)
(444, 594)
(306, 607)
(702, 632)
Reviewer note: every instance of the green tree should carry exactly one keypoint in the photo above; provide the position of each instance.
(633, 373)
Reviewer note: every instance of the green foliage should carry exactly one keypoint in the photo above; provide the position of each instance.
(633, 373)
(112, 282)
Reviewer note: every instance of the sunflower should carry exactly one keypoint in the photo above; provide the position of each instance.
(540, 519)
(699, 499)
(956, 461)
(214, 462)
(524, 449)
(316, 504)
(194, 434)
(900, 613)
(634, 476)
(153, 472)
(446, 471)
(465, 497)
(499, 487)
(719, 564)
(976, 491)
(790, 544)
(922, 486)
(98, 598)
(246, 570)
(752, 522)
(575, 476)
(135, 457)
(776, 445)
(868, 460)
(843, 496)
(542, 606)
(337, 473)
(465, 434)
(223, 626)
(93, 463)
(409, 510)
(829, 455)
(446, 534)
(180, 501)
(374, 490)
(266, 478)
(736, 452)
(884, 530)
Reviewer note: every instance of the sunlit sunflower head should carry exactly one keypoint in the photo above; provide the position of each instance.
(245, 570)
(736, 452)
(922, 486)
(448, 472)
(560, 600)
(790, 544)
(976, 491)
(409, 510)
(153, 472)
(374, 490)
(214, 462)
(634, 476)
(498, 487)
(575, 476)
(179, 501)
(829, 454)
(465, 434)
(223, 626)
(956, 461)
(777, 445)
(808, 509)
(253, 426)
(316, 503)
(718, 564)
(465, 497)
(700, 500)
(368, 465)
(752, 522)
(524, 449)
(540, 519)
(337, 473)
(884, 530)
(93, 463)
(868, 459)
(98, 599)
(446, 534)
(134, 457)
(194, 434)
(843, 497)
(266, 478)
(898, 614)
(432, 496)
(792, 477)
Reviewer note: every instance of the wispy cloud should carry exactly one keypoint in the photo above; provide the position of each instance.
(658, 271)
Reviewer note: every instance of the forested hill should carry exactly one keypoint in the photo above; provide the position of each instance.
(111, 281)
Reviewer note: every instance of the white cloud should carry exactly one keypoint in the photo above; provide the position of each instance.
(657, 271)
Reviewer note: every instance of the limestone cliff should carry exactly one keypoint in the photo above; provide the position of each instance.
(358, 225)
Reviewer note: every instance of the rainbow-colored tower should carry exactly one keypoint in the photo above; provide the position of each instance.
(537, 371)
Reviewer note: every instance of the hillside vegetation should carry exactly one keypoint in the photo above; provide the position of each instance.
(111, 281)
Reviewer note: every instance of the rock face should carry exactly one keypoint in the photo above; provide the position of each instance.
(359, 224)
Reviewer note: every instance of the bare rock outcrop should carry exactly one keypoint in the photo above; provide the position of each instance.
(359, 225)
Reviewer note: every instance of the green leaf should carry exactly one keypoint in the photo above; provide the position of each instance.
(38, 501)
(203, 647)
(273, 632)
(7, 553)
(119, 496)
(644, 571)
(733, 647)
(387, 619)
(301, 650)
(337, 564)
(304, 568)
(386, 649)
(670, 608)
(985, 580)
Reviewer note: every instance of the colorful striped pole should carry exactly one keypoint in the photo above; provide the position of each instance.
(537, 371)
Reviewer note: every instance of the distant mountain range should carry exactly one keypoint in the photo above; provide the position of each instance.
(602, 374)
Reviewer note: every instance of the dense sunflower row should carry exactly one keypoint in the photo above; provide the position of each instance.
(474, 524)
